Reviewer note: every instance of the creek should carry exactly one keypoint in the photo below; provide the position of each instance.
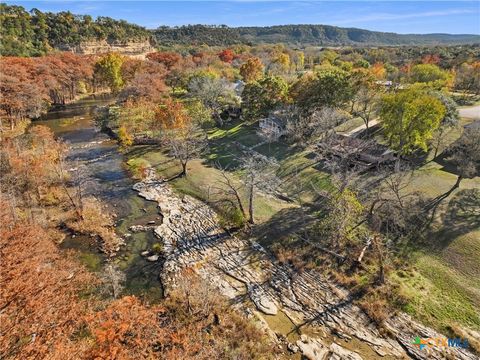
(99, 164)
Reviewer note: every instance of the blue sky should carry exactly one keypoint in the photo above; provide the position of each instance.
(456, 17)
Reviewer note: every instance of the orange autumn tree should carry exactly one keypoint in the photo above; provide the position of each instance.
(171, 115)
(431, 59)
(252, 69)
(184, 139)
(378, 71)
(226, 55)
(41, 308)
(169, 59)
(193, 322)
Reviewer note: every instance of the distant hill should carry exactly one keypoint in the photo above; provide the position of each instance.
(321, 35)
(34, 33)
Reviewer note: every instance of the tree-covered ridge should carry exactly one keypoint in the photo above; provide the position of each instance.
(35, 33)
(300, 35)
(211, 35)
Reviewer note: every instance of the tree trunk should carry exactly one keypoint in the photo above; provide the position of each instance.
(240, 205)
(184, 169)
(457, 183)
(250, 206)
(397, 164)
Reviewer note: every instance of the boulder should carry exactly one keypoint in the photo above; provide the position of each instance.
(312, 349)
(340, 353)
(293, 348)
(153, 258)
(139, 228)
(261, 300)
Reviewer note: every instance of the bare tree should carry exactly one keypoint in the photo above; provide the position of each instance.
(395, 207)
(233, 190)
(215, 94)
(305, 128)
(365, 101)
(466, 155)
(259, 173)
(185, 144)
(344, 157)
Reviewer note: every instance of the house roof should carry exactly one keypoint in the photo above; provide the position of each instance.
(366, 152)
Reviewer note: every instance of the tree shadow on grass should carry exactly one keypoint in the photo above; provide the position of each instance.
(447, 166)
(461, 216)
(284, 223)
(140, 150)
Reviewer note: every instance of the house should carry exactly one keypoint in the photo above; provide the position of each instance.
(386, 83)
(359, 152)
(238, 87)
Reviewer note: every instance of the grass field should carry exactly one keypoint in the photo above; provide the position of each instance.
(444, 286)
(203, 180)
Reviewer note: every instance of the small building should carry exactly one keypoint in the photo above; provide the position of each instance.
(238, 87)
(364, 153)
(386, 83)
(272, 125)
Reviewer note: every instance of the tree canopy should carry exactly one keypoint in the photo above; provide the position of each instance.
(409, 119)
(264, 95)
(36, 33)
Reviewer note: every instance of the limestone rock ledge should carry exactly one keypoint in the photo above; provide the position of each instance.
(192, 237)
(133, 48)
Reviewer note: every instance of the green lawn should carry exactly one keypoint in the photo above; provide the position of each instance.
(203, 180)
(439, 294)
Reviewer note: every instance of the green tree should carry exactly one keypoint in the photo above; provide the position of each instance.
(329, 87)
(431, 74)
(409, 119)
(260, 97)
(108, 69)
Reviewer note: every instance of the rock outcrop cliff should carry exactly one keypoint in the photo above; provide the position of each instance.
(133, 48)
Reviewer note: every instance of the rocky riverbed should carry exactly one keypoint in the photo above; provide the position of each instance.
(304, 312)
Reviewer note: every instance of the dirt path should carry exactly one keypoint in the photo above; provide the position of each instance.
(304, 312)
(359, 129)
(472, 112)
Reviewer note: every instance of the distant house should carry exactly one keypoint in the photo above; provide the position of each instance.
(386, 83)
(360, 152)
(238, 87)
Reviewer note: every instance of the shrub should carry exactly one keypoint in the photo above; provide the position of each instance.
(157, 248)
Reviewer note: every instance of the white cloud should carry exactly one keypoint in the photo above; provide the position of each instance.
(389, 16)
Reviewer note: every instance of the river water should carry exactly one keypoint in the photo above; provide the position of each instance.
(98, 164)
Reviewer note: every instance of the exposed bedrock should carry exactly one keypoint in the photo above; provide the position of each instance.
(192, 237)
